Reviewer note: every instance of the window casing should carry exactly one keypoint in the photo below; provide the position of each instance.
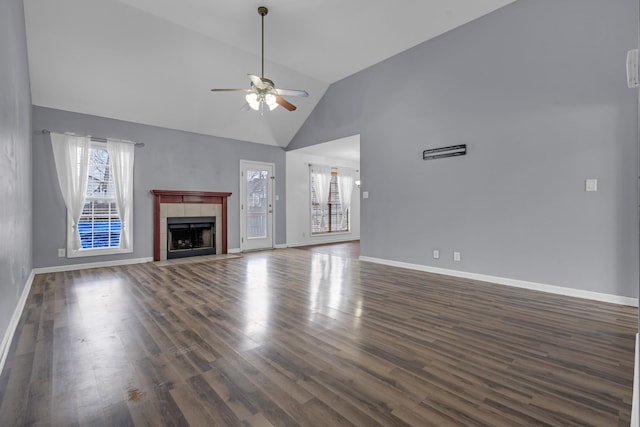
(100, 225)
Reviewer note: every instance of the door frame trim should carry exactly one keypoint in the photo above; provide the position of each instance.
(242, 195)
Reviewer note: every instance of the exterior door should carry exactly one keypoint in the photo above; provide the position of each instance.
(256, 205)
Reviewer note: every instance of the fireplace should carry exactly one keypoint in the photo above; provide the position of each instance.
(191, 236)
(182, 207)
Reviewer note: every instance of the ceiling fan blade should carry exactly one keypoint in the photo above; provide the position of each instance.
(232, 90)
(257, 81)
(285, 104)
(292, 92)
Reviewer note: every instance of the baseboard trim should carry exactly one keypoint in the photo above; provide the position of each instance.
(15, 319)
(234, 251)
(284, 246)
(596, 296)
(322, 242)
(71, 267)
(635, 402)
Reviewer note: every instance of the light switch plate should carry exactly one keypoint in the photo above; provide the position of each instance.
(365, 194)
(591, 184)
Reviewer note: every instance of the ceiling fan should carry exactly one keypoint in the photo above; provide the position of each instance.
(263, 91)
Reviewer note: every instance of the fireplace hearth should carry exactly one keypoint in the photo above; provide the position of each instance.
(191, 236)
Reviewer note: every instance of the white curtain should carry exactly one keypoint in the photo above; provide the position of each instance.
(71, 155)
(321, 181)
(345, 190)
(121, 156)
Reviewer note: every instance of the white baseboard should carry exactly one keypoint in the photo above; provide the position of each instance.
(13, 323)
(635, 402)
(322, 242)
(238, 250)
(615, 299)
(72, 267)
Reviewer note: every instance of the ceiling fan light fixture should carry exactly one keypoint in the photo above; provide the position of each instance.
(270, 99)
(252, 100)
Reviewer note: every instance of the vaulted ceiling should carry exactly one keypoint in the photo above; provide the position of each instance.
(154, 61)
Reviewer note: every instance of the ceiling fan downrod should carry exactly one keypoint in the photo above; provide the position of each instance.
(262, 10)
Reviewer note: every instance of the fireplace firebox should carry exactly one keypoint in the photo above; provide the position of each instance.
(191, 236)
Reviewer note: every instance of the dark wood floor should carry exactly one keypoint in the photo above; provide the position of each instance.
(304, 337)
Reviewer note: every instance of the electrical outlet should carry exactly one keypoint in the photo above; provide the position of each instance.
(436, 254)
(456, 256)
(62, 253)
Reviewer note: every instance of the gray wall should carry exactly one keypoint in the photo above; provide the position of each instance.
(16, 258)
(537, 91)
(170, 160)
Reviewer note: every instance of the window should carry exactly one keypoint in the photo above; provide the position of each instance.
(99, 225)
(96, 181)
(332, 216)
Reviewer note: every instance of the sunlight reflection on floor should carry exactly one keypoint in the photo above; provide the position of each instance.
(257, 299)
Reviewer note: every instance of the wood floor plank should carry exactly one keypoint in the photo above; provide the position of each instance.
(195, 413)
(117, 415)
(311, 337)
(16, 396)
(239, 376)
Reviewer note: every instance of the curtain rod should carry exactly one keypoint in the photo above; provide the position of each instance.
(96, 139)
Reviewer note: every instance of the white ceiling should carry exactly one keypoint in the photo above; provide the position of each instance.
(154, 61)
(347, 149)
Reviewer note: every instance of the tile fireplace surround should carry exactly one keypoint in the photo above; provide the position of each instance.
(176, 203)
